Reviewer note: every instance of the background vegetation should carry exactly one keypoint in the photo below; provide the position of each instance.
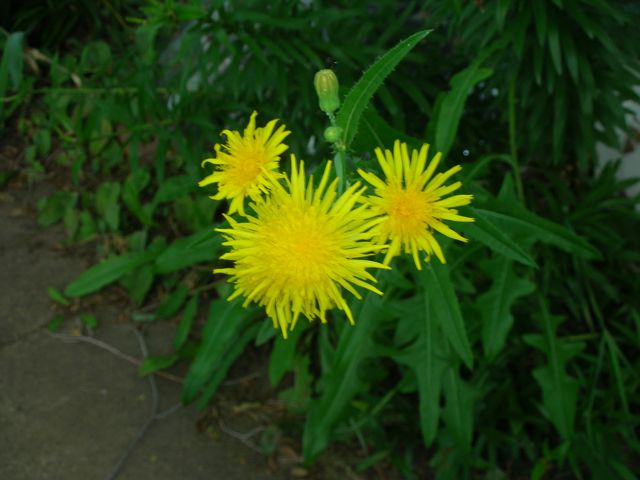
(519, 357)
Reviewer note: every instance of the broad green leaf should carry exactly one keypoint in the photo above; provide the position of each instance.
(341, 381)
(449, 109)
(559, 390)
(154, 363)
(495, 305)
(200, 247)
(283, 353)
(139, 282)
(444, 302)
(224, 325)
(106, 272)
(184, 327)
(487, 233)
(360, 95)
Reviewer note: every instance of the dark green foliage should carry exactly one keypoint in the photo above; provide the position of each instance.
(517, 358)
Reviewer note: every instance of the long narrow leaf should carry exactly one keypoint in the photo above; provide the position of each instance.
(360, 95)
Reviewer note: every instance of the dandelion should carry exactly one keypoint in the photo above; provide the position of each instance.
(302, 249)
(412, 204)
(247, 165)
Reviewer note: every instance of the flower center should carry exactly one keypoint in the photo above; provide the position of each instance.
(409, 211)
(248, 168)
(298, 248)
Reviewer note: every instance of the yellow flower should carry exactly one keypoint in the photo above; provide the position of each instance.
(247, 165)
(411, 202)
(301, 249)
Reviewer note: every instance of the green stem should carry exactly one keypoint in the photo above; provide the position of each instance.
(339, 158)
(512, 138)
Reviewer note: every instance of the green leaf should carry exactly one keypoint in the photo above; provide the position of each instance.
(200, 247)
(559, 390)
(283, 353)
(457, 413)
(266, 332)
(54, 323)
(225, 323)
(57, 296)
(523, 221)
(11, 64)
(444, 304)
(184, 327)
(502, 7)
(341, 381)
(360, 95)
(107, 204)
(172, 304)
(426, 358)
(133, 185)
(495, 305)
(154, 363)
(487, 233)
(451, 106)
(89, 320)
(554, 47)
(106, 272)
(235, 350)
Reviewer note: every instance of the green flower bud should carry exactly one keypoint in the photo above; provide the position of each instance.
(333, 134)
(326, 84)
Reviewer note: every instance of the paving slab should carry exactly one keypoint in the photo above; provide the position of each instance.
(69, 410)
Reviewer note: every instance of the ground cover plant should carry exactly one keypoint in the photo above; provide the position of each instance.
(510, 355)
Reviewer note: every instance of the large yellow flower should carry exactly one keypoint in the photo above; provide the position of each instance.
(411, 202)
(302, 248)
(247, 165)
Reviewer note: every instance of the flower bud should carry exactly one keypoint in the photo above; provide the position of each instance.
(333, 134)
(326, 84)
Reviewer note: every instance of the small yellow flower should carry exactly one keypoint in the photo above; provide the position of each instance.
(302, 248)
(247, 165)
(411, 202)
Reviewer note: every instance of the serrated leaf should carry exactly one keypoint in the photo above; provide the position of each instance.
(495, 305)
(360, 95)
